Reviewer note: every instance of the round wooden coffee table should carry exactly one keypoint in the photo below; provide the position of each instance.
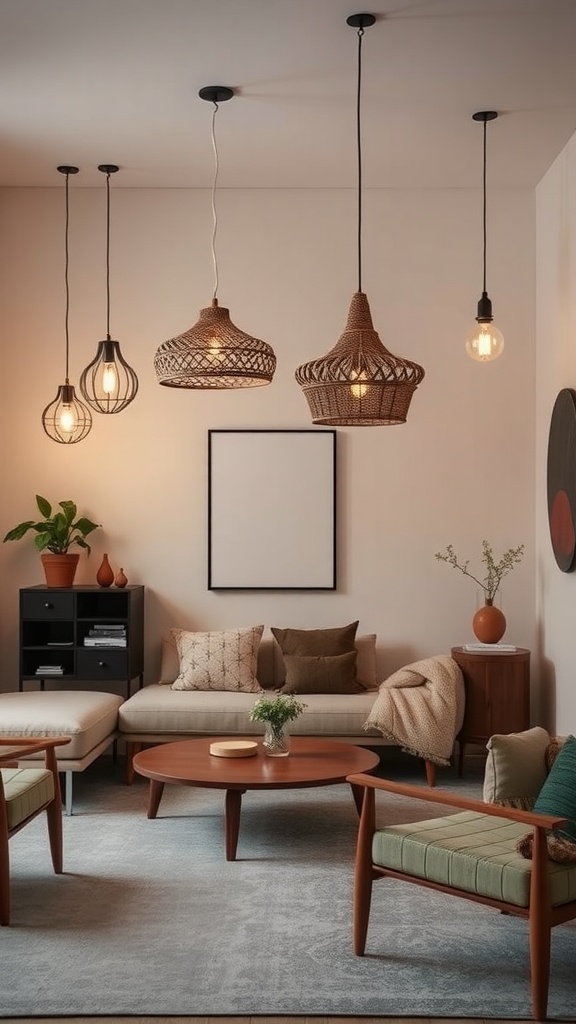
(311, 762)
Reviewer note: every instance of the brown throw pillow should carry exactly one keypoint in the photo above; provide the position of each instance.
(314, 673)
(339, 640)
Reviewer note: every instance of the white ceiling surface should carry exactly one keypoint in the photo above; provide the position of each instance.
(97, 81)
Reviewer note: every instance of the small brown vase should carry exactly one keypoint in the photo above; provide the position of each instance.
(105, 574)
(59, 570)
(489, 623)
(120, 580)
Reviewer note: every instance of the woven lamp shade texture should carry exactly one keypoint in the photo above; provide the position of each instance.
(214, 353)
(359, 382)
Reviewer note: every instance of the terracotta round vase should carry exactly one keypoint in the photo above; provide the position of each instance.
(59, 570)
(121, 579)
(105, 574)
(489, 623)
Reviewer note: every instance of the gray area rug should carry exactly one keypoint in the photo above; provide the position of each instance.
(150, 919)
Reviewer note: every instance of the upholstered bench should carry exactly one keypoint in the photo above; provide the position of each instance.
(89, 718)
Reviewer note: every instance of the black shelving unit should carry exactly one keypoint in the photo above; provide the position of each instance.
(56, 622)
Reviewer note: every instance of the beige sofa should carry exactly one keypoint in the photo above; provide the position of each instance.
(159, 714)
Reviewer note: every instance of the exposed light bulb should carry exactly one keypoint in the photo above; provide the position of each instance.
(485, 343)
(109, 378)
(358, 390)
(67, 420)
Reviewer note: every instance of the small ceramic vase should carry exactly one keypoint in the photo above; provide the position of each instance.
(120, 580)
(105, 574)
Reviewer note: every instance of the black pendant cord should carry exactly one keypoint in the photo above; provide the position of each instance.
(66, 283)
(484, 209)
(108, 255)
(359, 153)
(214, 212)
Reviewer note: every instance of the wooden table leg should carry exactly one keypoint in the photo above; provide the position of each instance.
(358, 794)
(154, 797)
(232, 823)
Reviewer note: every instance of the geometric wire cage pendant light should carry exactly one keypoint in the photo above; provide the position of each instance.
(359, 383)
(108, 383)
(214, 353)
(66, 420)
(485, 341)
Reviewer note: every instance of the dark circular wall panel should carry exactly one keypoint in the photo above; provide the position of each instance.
(562, 479)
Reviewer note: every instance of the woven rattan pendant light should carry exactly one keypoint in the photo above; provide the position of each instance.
(66, 420)
(108, 383)
(359, 383)
(485, 342)
(214, 353)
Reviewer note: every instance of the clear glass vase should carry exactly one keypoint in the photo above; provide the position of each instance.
(276, 741)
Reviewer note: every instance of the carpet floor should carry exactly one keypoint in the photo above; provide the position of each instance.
(150, 919)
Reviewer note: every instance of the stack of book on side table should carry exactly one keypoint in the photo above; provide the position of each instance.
(490, 648)
(50, 670)
(106, 635)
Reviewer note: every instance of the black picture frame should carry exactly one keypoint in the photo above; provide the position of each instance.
(271, 509)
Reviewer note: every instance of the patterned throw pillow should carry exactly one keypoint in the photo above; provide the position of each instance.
(218, 660)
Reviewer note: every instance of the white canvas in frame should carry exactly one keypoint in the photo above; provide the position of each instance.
(271, 509)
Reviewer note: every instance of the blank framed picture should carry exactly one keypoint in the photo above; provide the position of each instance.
(271, 509)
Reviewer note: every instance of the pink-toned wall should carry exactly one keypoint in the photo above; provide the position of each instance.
(462, 468)
(556, 369)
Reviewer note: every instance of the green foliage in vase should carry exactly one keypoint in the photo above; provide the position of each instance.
(277, 711)
(495, 570)
(58, 530)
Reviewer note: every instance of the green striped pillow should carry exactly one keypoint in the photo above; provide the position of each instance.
(558, 794)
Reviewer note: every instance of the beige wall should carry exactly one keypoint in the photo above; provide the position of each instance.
(556, 369)
(461, 469)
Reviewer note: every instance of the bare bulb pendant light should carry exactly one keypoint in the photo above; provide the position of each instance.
(359, 383)
(214, 353)
(66, 420)
(485, 342)
(108, 383)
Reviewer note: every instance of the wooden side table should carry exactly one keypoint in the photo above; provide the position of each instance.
(497, 688)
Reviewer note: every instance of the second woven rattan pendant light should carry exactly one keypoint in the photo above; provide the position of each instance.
(214, 353)
(359, 383)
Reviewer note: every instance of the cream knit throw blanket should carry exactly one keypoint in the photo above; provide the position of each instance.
(421, 707)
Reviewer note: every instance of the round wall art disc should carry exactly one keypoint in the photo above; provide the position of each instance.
(562, 479)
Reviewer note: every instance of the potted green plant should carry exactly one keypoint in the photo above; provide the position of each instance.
(55, 534)
(276, 712)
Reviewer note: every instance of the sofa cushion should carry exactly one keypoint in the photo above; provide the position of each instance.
(87, 717)
(218, 660)
(336, 640)
(317, 674)
(516, 767)
(158, 710)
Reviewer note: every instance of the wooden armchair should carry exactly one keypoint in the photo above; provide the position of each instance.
(540, 890)
(24, 793)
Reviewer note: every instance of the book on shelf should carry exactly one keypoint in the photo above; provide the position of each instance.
(49, 670)
(107, 632)
(105, 641)
(490, 648)
(60, 643)
(114, 626)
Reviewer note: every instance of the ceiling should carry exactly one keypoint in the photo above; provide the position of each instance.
(116, 81)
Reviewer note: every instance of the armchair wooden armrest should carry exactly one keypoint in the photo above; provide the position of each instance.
(463, 803)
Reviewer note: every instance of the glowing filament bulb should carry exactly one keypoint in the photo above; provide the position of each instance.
(109, 378)
(67, 419)
(358, 390)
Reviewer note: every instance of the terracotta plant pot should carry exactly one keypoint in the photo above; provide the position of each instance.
(59, 570)
(489, 624)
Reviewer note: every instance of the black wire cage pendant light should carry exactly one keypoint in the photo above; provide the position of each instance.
(66, 420)
(214, 353)
(359, 383)
(485, 342)
(108, 383)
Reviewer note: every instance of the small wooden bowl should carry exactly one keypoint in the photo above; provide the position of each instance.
(233, 748)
